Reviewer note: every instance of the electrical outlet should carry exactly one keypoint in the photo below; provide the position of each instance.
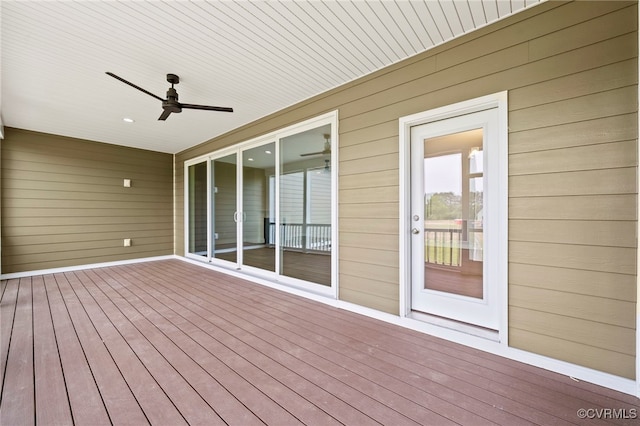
(127, 242)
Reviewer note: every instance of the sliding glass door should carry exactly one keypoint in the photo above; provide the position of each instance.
(224, 200)
(258, 164)
(211, 208)
(197, 210)
(305, 206)
(268, 206)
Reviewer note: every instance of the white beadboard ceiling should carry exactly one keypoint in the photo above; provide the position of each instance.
(255, 56)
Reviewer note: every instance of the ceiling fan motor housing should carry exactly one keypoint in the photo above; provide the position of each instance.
(172, 99)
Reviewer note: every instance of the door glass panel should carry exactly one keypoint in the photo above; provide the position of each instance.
(476, 205)
(224, 194)
(453, 194)
(305, 206)
(258, 219)
(197, 175)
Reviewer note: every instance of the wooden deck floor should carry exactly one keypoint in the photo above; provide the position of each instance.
(171, 343)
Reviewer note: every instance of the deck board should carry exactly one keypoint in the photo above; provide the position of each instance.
(7, 315)
(116, 395)
(18, 393)
(85, 401)
(168, 342)
(385, 360)
(50, 390)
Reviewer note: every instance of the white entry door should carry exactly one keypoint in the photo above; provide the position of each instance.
(451, 219)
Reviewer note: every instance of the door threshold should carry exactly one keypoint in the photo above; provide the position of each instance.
(461, 327)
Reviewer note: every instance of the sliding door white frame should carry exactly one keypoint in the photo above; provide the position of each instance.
(331, 119)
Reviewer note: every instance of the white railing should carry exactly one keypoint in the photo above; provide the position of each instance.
(443, 246)
(304, 237)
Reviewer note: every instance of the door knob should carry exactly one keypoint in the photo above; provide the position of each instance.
(415, 231)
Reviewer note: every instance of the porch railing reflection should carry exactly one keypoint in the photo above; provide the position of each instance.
(300, 236)
(443, 246)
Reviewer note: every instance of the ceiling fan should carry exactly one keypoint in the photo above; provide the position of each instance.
(325, 151)
(171, 104)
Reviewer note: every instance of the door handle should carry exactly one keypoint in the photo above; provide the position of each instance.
(415, 231)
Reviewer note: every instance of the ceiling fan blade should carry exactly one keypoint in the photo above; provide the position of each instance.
(206, 107)
(133, 85)
(313, 153)
(165, 114)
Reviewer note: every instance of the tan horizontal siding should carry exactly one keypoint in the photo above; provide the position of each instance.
(64, 202)
(575, 183)
(369, 180)
(589, 107)
(571, 74)
(568, 135)
(590, 157)
(371, 210)
(608, 285)
(367, 270)
(579, 232)
(364, 240)
(587, 257)
(564, 349)
(586, 207)
(598, 334)
(573, 199)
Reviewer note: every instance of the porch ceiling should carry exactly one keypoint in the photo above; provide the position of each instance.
(257, 57)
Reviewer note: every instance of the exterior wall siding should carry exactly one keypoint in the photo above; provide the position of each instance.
(571, 72)
(64, 202)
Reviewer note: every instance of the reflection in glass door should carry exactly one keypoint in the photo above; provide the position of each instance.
(448, 187)
(224, 240)
(453, 218)
(305, 206)
(258, 165)
(197, 209)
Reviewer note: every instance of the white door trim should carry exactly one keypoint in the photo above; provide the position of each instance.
(499, 101)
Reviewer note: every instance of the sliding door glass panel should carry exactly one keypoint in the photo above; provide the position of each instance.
(305, 206)
(224, 205)
(197, 175)
(258, 221)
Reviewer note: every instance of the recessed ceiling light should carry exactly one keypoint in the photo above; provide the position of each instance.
(267, 152)
(249, 159)
(128, 120)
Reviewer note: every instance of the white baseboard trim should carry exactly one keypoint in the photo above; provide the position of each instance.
(13, 275)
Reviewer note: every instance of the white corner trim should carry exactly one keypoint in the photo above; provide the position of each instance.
(638, 258)
(14, 275)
